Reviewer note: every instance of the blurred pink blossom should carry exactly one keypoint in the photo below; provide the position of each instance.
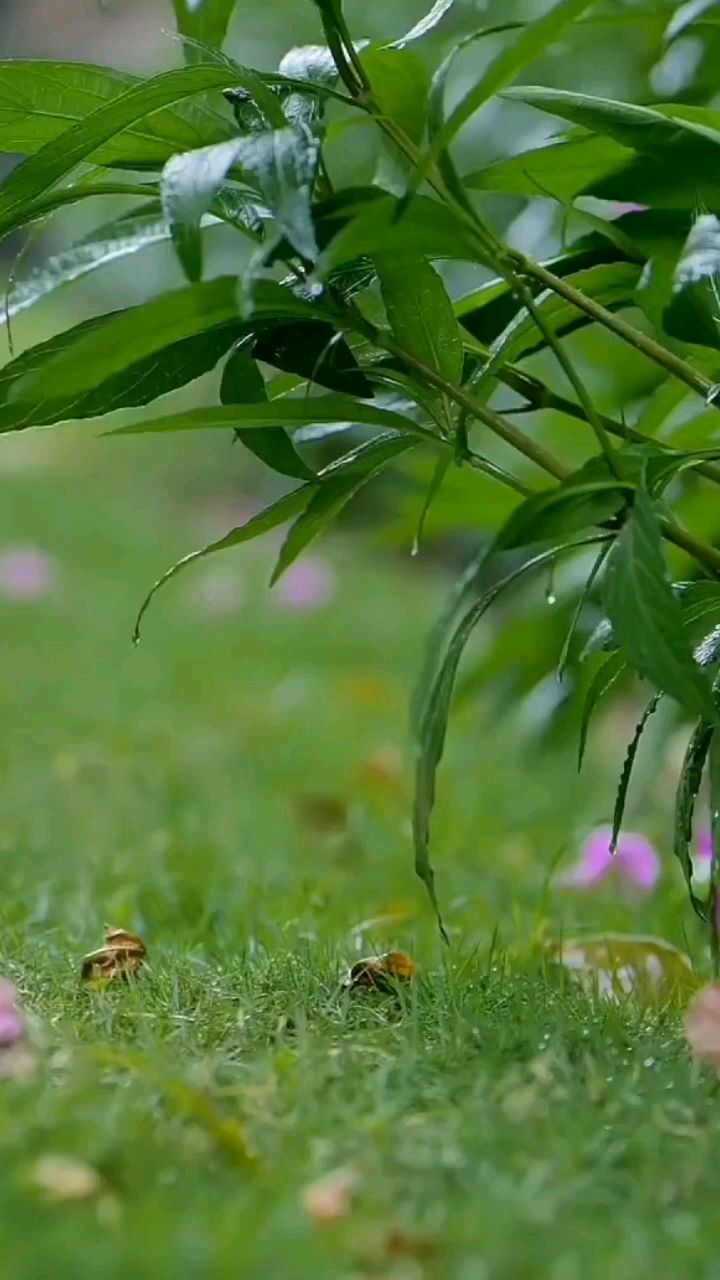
(26, 573)
(704, 844)
(636, 862)
(310, 583)
(12, 1023)
(17, 1055)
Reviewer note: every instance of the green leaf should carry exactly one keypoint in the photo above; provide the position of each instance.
(41, 99)
(712, 898)
(334, 494)
(282, 163)
(562, 169)
(560, 512)
(358, 460)
(628, 764)
(58, 157)
(277, 413)
(136, 384)
(205, 20)
(426, 228)
(118, 239)
(687, 793)
(582, 600)
(692, 314)
(279, 513)
(425, 24)
(652, 131)
(685, 15)
(400, 84)
(612, 284)
(315, 351)
(420, 313)
(127, 337)
(604, 678)
(431, 702)
(647, 617)
(243, 383)
(520, 51)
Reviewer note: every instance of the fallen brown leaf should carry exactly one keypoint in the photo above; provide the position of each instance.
(330, 1198)
(702, 1025)
(380, 973)
(122, 956)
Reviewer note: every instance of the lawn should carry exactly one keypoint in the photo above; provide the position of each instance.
(237, 790)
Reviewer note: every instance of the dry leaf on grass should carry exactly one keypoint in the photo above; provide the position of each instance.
(330, 1198)
(618, 965)
(380, 973)
(702, 1025)
(122, 956)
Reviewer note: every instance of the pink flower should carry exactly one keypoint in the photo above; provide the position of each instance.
(308, 584)
(26, 573)
(636, 862)
(704, 844)
(12, 1023)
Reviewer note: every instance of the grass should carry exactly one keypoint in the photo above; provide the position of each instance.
(232, 791)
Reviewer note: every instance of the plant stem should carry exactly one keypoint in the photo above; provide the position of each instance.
(539, 396)
(705, 554)
(507, 431)
(640, 341)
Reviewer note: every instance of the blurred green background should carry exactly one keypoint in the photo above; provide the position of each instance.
(245, 773)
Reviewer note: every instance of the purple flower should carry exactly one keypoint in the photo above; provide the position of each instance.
(26, 573)
(636, 862)
(308, 584)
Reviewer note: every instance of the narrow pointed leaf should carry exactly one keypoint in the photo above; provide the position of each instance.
(243, 383)
(136, 334)
(333, 495)
(628, 764)
(400, 84)
(651, 131)
(137, 383)
(277, 413)
(41, 99)
(611, 669)
(356, 460)
(433, 705)
(279, 513)
(647, 617)
(425, 24)
(519, 52)
(686, 797)
(316, 352)
(118, 239)
(59, 157)
(420, 312)
(560, 512)
(282, 163)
